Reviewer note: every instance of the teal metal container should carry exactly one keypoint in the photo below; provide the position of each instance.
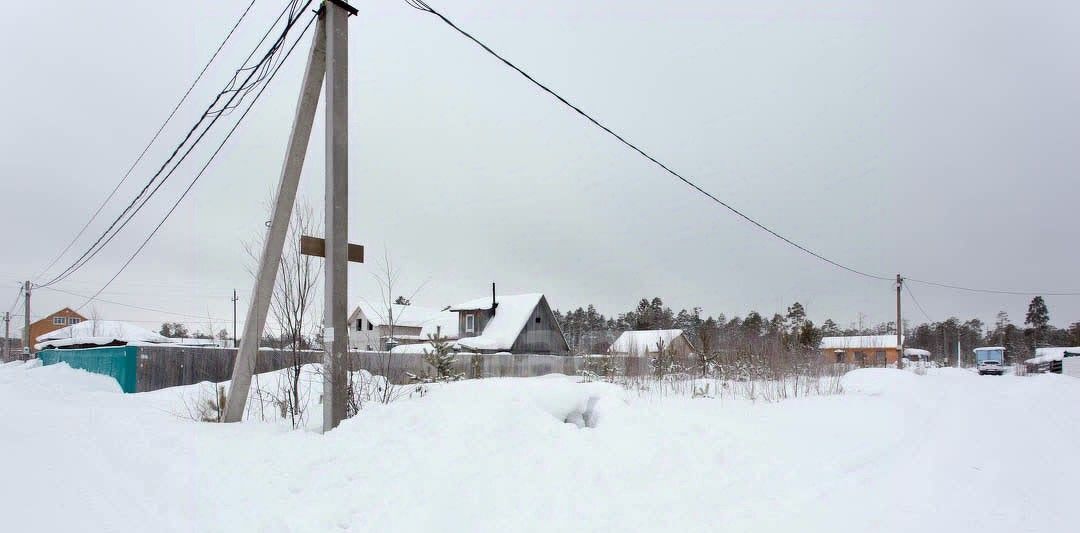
(120, 362)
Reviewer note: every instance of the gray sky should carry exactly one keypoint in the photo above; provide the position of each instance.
(934, 139)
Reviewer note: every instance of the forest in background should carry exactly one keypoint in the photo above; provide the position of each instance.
(589, 331)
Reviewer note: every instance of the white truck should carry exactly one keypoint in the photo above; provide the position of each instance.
(990, 360)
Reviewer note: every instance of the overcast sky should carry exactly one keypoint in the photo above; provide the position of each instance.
(937, 140)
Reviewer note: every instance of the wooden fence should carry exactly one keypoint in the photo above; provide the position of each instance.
(171, 366)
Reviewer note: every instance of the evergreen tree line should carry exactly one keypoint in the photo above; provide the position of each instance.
(589, 331)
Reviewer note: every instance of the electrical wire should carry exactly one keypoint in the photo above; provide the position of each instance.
(995, 291)
(16, 302)
(916, 301)
(139, 201)
(424, 6)
(153, 139)
(202, 170)
(142, 308)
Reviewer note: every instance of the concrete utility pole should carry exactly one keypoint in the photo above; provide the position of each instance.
(335, 291)
(899, 325)
(234, 299)
(328, 59)
(26, 320)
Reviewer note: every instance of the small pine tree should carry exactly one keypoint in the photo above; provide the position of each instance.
(665, 360)
(441, 358)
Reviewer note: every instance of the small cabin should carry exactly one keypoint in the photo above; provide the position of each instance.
(861, 350)
(517, 323)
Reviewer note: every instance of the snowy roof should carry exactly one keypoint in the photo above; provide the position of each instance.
(511, 315)
(420, 348)
(412, 316)
(99, 332)
(1047, 354)
(444, 323)
(989, 349)
(859, 341)
(642, 342)
(917, 351)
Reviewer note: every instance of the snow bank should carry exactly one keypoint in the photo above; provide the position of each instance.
(905, 453)
(98, 332)
(875, 381)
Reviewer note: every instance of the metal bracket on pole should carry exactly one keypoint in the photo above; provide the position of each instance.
(269, 261)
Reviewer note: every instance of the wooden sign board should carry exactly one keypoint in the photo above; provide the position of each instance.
(316, 246)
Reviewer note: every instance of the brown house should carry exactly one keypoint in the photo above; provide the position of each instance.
(861, 350)
(60, 319)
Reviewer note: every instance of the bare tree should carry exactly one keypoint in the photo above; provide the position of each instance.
(291, 309)
(388, 279)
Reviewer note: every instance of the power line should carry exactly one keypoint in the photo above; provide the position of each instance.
(18, 295)
(917, 304)
(206, 165)
(423, 6)
(139, 202)
(995, 291)
(149, 144)
(141, 308)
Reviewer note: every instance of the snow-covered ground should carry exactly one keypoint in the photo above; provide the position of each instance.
(948, 452)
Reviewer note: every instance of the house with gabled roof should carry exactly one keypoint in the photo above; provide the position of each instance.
(517, 323)
(645, 342)
(373, 327)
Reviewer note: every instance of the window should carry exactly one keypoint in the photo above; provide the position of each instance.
(537, 319)
(59, 320)
(370, 326)
(359, 324)
(879, 358)
(860, 358)
(839, 357)
(74, 320)
(470, 324)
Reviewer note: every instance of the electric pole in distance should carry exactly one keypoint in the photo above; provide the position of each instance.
(899, 325)
(234, 299)
(7, 335)
(26, 320)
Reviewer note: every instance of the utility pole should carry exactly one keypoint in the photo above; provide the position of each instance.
(7, 335)
(26, 320)
(234, 299)
(327, 60)
(335, 291)
(899, 325)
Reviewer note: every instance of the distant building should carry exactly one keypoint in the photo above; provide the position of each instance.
(861, 350)
(370, 325)
(58, 320)
(916, 354)
(520, 324)
(1053, 359)
(645, 342)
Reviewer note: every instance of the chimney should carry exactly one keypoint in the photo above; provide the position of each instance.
(494, 304)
